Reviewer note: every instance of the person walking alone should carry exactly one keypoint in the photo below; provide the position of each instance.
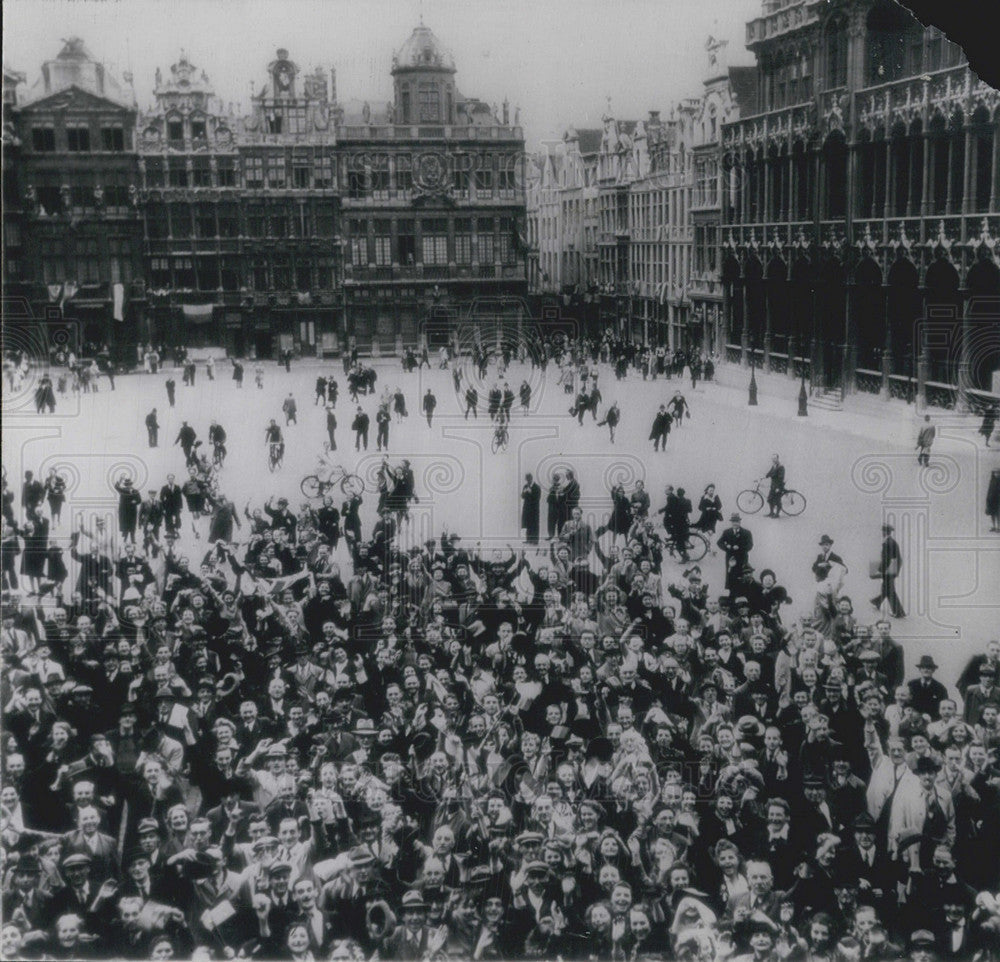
(360, 427)
(887, 571)
(382, 420)
(924, 441)
(611, 419)
(171, 386)
(290, 410)
(331, 427)
(152, 428)
(531, 496)
(430, 402)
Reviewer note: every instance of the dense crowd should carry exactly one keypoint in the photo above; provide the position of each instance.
(307, 743)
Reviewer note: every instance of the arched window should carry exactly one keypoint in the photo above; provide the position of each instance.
(894, 44)
(836, 53)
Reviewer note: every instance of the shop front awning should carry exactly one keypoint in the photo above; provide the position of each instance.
(197, 313)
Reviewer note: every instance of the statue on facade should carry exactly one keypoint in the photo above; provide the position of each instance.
(366, 112)
(30, 198)
(390, 112)
(98, 196)
(133, 195)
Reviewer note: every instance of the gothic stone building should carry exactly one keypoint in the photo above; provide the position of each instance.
(859, 209)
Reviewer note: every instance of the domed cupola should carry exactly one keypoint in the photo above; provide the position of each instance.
(423, 72)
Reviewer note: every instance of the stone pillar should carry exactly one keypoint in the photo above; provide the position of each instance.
(964, 379)
(745, 326)
(767, 328)
(886, 346)
(925, 198)
(887, 207)
(949, 201)
(968, 173)
(850, 355)
(995, 172)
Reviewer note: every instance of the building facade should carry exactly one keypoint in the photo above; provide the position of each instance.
(79, 255)
(859, 210)
(432, 206)
(241, 214)
(306, 224)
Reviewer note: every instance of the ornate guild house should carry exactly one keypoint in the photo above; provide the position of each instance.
(306, 224)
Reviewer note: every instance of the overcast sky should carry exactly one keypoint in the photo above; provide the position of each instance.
(559, 60)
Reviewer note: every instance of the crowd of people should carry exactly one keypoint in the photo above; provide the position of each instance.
(280, 737)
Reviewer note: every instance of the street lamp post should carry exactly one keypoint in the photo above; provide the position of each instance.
(752, 400)
(803, 397)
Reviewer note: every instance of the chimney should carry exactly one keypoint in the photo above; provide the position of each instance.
(46, 78)
(333, 85)
(99, 67)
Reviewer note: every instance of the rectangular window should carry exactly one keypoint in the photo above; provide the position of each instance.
(230, 273)
(506, 241)
(404, 175)
(159, 272)
(78, 139)
(256, 222)
(43, 139)
(484, 240)
(253, 173)
(229, 220)
(184, 275)
(356, 184)
(460, 182)
(113, 139)
(199, 131)
(325, 221)
(359, 251)
(484, 183)
(302, 226)
(303, 276)
(156, 221)
(406, 243)
(323, 173)
(380, 180)
(276, 173)
(87, 261)
(434, 249)
(279, 224)
(120, 260)
(178, 172)
(507, 183)
(324, 273)
(383, 250)
(463, 247)
(180, 220)
(430, 103)
(175, 132)
(208, 273)
(282, 274)
(258, 275)
(206, 220)
(156, 172)
(201, 172)
(300, 176)
(226, 171)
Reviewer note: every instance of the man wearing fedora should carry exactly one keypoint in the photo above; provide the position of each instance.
(737, 543)
(887, 570)
(926, 691)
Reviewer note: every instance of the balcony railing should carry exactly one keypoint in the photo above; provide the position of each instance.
(403, 132)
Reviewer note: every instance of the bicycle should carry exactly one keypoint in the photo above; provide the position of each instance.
(352, 485)
(275, 455)
(751, 500)
(500, 438)
(695, 548)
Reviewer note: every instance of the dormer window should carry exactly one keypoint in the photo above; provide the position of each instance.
(175, 131)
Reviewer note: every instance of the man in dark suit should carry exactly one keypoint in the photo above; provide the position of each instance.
(737, 543)
(762, 896)
(926, 692)
(231, 811)
(24, 898)
(957, 936)
(889, 567)
(171, 499)
(861, 859)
